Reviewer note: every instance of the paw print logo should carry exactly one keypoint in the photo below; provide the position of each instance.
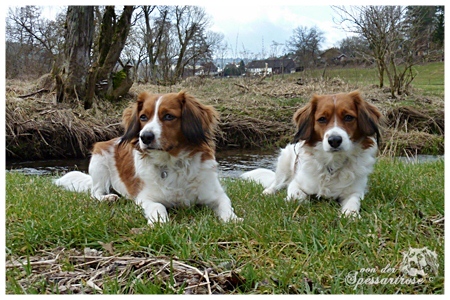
(419, 261)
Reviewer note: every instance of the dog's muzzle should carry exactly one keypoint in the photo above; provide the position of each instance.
(335, 142)
(147, 137)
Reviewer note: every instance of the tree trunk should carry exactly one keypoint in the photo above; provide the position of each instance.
(72, 79)
(78, 79)
(111, 43)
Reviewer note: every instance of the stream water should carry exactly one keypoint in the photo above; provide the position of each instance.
(232, 163)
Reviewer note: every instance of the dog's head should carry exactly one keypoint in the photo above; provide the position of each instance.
(169, 122)
(337, 121)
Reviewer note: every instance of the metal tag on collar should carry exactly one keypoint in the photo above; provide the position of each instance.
(330, 170)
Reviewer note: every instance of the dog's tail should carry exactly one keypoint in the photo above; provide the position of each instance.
(262, 176)
(75, 181)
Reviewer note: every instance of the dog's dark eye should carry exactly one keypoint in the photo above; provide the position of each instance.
(168, 117)
(349, 118)
(322, 120)
(143, 118)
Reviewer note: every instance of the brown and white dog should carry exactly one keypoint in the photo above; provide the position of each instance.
(165, 158)
(333, 153)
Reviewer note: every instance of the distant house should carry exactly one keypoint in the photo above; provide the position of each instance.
(274, 66)
(333, 56)
(208, 68)
(200, 70)
(341, 58)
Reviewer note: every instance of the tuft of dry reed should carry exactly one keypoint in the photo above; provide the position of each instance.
(70, 271)
(254, 113)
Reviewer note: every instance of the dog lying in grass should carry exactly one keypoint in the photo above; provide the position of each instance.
(333, 153)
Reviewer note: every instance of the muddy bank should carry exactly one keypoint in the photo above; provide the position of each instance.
(253, 115)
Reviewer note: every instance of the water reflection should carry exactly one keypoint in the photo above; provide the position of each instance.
(232, 163)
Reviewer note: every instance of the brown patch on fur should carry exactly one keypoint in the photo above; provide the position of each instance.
(192, 126)
(367, 143)
(199, 120)
(130, 117)
(368, 118)
(127, 116)
(101, 147)
(334, 109)
(123, 156)
(304, 119)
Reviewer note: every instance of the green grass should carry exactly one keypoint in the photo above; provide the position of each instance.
(429, 79)
(279, 247)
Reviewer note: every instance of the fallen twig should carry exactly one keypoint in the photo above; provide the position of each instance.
(34, 93)
(88, 273)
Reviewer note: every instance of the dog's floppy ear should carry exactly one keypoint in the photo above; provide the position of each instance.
(198, 121)
(304, 120)
(130, 119)
(368, 116)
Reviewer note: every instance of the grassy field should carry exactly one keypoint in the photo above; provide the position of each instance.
(281, 248)
(429, 77)
(255, 113)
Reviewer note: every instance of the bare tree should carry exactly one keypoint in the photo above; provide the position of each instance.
(356, 49)
(31, 41)
(391, 45)
(85, 74)
(112, 38)
(134, 54)
(175, 37)
(305, 43)
(72, 80)
(275, 49)
(222, 50)
(190, 21)
(156, 25)
(164, 40)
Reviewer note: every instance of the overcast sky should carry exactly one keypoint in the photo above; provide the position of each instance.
(254, 27)
(251, 27)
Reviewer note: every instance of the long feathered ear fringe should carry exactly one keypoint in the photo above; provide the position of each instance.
(198, 121)
(130, 120)
(368, 117)
(304, 120)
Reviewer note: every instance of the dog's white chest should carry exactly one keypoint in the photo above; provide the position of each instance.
(170, 182)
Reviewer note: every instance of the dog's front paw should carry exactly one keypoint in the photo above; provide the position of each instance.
(296, 194)
(351, 214)
(236, 220)
(231, 218)
(109, 198)
(268, 191)
(350, 208)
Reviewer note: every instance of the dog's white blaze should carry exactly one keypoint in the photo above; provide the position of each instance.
(154, 125)
(338, 131)
(335, 115)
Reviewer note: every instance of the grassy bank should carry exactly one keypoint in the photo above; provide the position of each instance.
(254, 113)
(279, 247)
(429, 78)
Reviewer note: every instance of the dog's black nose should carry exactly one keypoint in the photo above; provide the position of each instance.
(335, 141)
(147, 137)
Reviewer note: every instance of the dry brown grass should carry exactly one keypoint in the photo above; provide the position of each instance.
(91, 270)
(254, 114)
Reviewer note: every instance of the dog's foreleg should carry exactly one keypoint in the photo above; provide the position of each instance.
(154, 212)
(101, 179)
(285, 170)
(223, 209)
(351, 205)
(294, 192)
(212, 195)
